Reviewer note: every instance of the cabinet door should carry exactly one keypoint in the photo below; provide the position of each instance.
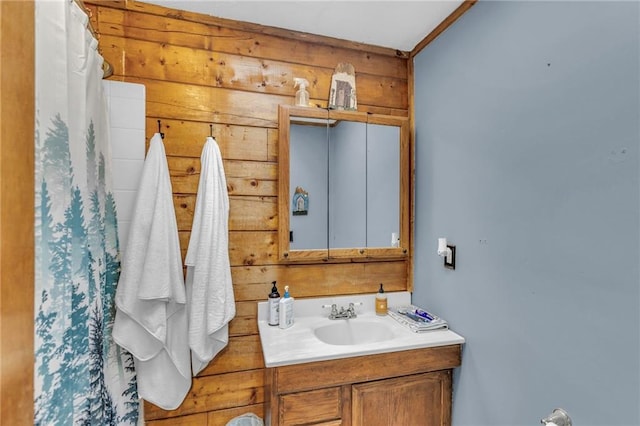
(422, 399)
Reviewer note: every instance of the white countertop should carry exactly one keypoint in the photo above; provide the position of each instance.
(298, 344)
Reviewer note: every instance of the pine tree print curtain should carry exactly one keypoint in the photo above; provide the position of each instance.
(81, 376)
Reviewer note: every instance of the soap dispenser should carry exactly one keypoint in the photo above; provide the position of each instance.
(274, 298)
(286, 309)
(381, 302)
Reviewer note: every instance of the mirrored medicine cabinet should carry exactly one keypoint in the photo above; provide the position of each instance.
(343, 190)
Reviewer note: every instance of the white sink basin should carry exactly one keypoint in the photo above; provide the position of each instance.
(353, 332)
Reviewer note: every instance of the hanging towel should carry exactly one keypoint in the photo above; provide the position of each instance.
(151, 314)
(209, 288)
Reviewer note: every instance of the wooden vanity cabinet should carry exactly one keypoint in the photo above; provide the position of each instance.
(399, 388)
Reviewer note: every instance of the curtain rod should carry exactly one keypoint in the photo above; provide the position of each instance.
(107, 69)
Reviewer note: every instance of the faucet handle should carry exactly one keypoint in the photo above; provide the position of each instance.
(333, 306)
(351, 311)
(334, 310)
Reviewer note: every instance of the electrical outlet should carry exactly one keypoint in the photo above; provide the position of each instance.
(450, 261)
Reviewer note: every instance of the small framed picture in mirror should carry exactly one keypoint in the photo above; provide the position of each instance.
(343, 88)
(300, 202)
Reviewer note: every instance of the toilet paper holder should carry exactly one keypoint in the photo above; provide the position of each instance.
(558, 417)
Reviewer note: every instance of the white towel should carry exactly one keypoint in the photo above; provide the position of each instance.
(209, 288)
(151, 314)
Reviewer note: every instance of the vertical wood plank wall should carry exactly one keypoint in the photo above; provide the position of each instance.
(17, 111)
(199, 70)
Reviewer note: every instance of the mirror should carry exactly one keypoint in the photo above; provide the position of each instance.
(343, 185)
(308, 168)
(347, 184)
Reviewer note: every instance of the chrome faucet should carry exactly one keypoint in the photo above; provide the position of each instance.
(343, 313)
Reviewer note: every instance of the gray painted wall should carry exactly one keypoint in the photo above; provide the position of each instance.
(527, 123)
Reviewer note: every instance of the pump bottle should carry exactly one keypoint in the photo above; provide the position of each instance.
(286, 309)
(274, 298)
(302, 96)
(381, 302)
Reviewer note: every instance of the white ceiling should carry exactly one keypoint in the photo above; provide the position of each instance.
(395, 24)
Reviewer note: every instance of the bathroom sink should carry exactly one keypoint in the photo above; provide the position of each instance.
(353, 332)
(314, 337)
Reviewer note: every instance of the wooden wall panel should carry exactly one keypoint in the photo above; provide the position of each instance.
(242, 353)
(180, 32)
(245, 248)
(210, 393)
(243, 177)
(232, 71)
(244, 322)
(252, 282)
(272, 144)
(245, 213)
(201, 71)
(186, 138)
(253, 248)
(210, 104)
(17, 110)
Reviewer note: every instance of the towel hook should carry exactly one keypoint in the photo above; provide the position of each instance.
(211, 130)
(160, 128)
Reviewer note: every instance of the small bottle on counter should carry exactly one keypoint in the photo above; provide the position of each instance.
(274, 298)
(286, 309)
(381, 302)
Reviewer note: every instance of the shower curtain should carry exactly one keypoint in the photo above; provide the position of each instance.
(81, 376)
